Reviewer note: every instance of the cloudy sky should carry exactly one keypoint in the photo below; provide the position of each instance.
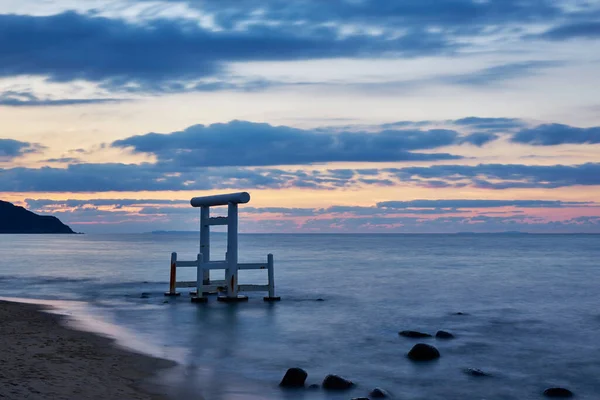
(337, 115)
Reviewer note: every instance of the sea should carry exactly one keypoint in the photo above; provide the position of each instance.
(524, 309)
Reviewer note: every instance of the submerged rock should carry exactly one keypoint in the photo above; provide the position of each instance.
(334, 382)
(314, 386)
(444, 335)
(558, 392)
(414, 334)
(423, 352)
(476, 372)
(320, 299)
(460, 313)
(294, 378)
(145, 295)
(378, 393)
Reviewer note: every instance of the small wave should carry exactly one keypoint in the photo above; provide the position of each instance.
(44, 280)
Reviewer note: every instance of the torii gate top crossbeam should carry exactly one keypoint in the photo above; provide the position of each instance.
(221, 199)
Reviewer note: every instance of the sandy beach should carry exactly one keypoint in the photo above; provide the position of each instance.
(41, 358)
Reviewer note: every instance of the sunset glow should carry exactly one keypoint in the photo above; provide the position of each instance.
(341, 116)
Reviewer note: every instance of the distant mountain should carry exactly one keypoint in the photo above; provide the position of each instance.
(14, 219)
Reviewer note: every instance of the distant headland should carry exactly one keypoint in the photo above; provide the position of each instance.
(15, 219)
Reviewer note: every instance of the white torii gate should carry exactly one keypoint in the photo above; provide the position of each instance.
(230, 265)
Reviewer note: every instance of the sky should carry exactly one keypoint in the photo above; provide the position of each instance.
(349, 116)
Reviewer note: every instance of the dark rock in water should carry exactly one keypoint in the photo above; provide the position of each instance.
(476, 372)
(444, 335)
(460, 313)
(334, 382)
(294, 378)
(423, 352)
(314, 386)
(320, 299)
(378, 393)
(145, 295)
(414, 334)
(558, 393)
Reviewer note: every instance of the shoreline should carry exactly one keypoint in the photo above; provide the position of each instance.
(43, 357)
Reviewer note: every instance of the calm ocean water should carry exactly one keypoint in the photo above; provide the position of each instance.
(533, 305)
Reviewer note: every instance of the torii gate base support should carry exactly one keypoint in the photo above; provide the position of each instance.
(196, 299)
(238, 299)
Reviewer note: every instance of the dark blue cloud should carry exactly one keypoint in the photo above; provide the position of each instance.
(490, 124)
(575, 30)
(85, 178)
(287, 211)
(388, 209)
(556, 134)
(466, 203)
(480, 138)
(11, 98)
(501, 73)
(502, 176)
(167, 54)
(457, 15)
(379, 210)
(72, 46)
(153, 177)
(116, 203)
(67, 160)
(10, 149)
(405, 124)
(243, 143)
(170, 54)
(246, 86)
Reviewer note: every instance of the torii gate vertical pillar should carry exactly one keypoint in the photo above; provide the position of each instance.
(232, 250)
(205, 240)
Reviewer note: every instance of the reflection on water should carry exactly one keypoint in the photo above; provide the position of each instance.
(532, 303)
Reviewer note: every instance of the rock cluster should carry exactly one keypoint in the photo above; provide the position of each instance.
(295, 378)
(420, 352)
(423, 335)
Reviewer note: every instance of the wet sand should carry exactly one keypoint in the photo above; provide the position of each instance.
(41, 358)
